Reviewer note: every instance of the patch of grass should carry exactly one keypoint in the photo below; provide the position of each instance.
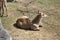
(51, 23)
(49, 8)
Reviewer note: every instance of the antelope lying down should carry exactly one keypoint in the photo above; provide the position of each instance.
(25, 23)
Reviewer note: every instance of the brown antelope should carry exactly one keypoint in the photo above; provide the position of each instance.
(2, 5)
(25, 22)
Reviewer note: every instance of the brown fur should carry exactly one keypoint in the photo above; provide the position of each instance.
(2, 5)
(37, 19)
(25, 23)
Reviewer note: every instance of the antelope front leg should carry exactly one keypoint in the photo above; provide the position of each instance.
(5, 12)
(2, 11)
(40, 24)
(4, 8)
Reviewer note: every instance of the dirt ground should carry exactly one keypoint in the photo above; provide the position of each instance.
(51, 24)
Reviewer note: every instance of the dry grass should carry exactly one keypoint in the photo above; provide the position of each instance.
(51, 24)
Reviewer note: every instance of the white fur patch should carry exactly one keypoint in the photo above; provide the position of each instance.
(24, 17)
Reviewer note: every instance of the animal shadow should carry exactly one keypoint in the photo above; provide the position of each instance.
(20, 27)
